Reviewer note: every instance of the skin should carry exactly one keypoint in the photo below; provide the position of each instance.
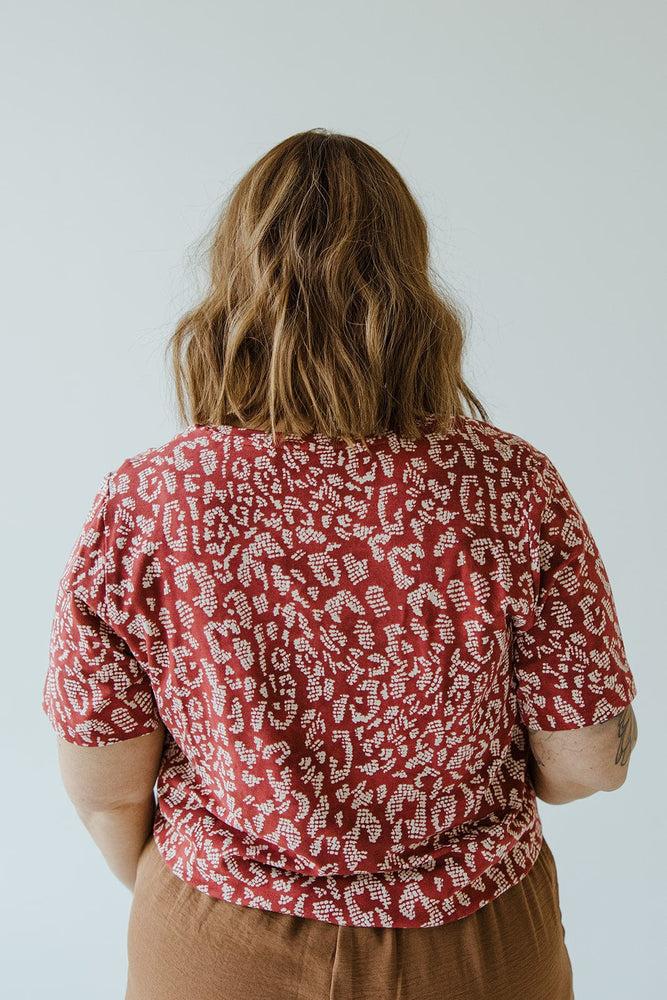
(111, 788)
(565, 765)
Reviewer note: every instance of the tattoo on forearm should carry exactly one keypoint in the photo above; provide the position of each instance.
(627, 735)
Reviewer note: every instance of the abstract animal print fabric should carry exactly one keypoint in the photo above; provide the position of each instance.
(345, 647)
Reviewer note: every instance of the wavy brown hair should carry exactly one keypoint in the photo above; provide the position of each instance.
(322, 313)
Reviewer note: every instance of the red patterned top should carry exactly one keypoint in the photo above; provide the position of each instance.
(345, 648)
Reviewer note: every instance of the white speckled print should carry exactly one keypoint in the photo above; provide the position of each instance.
(345, 649)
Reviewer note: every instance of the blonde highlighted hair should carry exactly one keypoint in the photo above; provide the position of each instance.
(322, 314)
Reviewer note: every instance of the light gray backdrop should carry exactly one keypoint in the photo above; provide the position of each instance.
(533, 136)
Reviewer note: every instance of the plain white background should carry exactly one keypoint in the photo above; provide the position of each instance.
(533, 136)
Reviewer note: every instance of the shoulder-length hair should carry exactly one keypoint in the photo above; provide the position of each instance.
(322, 314)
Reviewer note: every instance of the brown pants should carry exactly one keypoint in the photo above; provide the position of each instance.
(185, 945)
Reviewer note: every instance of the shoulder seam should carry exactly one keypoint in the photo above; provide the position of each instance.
(107, 481)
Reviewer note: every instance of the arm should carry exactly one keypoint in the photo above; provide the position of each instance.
(121, 834)
(554, 793)
(111, 788)
(573, 764)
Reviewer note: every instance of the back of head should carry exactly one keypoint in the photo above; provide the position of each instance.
(321, 312)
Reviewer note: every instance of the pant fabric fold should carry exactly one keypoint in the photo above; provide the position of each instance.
(185, 945)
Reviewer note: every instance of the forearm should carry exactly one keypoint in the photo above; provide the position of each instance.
(121, 834)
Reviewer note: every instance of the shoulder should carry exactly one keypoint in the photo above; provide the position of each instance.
(154, 470)
(494, 447)
(473, 446)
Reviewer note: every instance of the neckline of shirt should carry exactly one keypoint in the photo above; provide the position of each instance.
(311, 436)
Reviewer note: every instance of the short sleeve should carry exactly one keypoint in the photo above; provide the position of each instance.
(569, 660)
(95, 692)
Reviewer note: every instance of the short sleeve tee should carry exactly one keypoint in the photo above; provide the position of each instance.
(346, 647)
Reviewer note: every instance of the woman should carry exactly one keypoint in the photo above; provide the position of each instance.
(332, 618)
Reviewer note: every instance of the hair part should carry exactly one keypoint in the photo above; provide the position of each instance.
(321, 313)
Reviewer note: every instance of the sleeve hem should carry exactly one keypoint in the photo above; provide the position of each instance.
(546, 723)
(96, 739)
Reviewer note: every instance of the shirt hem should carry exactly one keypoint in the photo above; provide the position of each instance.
(408, 899)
